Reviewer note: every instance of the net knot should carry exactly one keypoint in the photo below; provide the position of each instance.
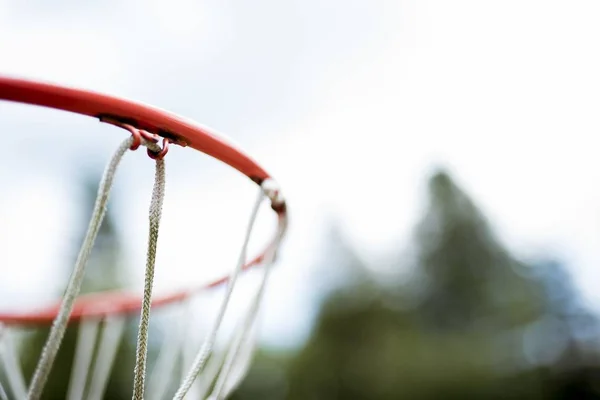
(139, 136)
(159, 154)
(142, 137)
(273, 192)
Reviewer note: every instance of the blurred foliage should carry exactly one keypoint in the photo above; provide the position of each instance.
(461, 318)
(470, 322)
(104, 271)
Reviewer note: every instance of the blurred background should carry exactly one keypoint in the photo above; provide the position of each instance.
(440, 160)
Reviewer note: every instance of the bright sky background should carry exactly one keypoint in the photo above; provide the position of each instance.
(349, 104)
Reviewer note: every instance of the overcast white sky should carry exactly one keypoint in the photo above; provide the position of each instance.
(348, 103)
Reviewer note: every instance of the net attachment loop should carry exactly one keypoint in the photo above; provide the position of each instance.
(138, 135)
(159, 155)
(272, 191)
(146, 138)
(141, 136)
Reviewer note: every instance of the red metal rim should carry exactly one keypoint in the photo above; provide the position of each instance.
(103, 304)
(173, 129)
(151, 119)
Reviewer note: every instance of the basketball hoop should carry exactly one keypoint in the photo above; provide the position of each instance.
(156, 130)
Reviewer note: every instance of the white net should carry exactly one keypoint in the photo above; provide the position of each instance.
(205, 373)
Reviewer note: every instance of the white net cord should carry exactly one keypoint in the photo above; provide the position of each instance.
(12, 368)
(170, 350)
(91, 384)
(114, 327)
(60, 323)
(208, 344)
(108, 344)
(240, 352)
(142, 341)
(86, 338)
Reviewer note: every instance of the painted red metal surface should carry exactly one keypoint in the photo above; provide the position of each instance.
(142, 116)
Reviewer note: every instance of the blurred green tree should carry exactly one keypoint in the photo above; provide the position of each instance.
(459, 327)
(468, 293)
(469, 280)
(564, 341)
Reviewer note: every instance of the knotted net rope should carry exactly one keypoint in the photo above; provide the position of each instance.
(59, 325)
(224, 383)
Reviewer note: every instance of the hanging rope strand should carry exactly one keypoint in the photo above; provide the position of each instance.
(240, 339)
(224, 384)
(59, 325)
(208, 344)
(142, 339)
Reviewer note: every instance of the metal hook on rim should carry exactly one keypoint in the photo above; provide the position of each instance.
(139, 134)
(136, 133)
(160, 154)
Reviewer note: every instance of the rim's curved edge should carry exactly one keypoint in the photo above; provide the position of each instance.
(153, 120)
(142, 116)
(103, 304)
